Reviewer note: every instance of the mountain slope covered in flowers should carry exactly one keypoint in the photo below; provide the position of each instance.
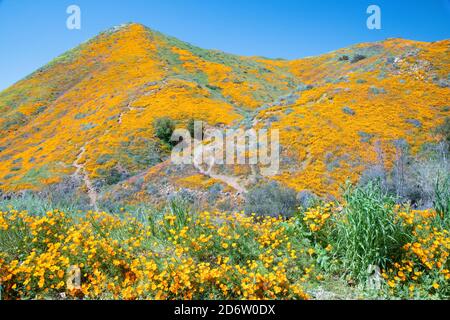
(86, 120)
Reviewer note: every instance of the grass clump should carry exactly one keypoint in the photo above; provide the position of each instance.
(368, 233)
(384, 249)
(442, 201)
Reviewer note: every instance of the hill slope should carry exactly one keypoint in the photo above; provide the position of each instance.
(87, 117)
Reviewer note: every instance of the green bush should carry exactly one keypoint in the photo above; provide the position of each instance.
(368, 234)
(113, 176)
(271, 199)
(358, 57)
(164, 128)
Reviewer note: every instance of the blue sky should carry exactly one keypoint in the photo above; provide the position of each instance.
(33, 32)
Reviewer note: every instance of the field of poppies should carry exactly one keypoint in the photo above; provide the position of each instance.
(364, 247)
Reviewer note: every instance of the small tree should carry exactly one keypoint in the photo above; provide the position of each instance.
(164, 128)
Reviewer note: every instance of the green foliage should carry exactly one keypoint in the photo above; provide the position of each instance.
(142, 152)
(358, 57)
(38, 205)
(442, 201)
(104, 158)
(368, 234)
(36, 174)
(114, 176)
(164, 128)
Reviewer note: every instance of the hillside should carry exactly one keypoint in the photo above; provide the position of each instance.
(84, 122)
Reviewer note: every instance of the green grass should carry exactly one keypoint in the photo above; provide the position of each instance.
(368, 234)
(442, 201)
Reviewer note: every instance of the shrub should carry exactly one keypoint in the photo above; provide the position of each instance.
(416, 123)
(307, 199)
(103, 159)
(287, 100)
(113, 176)
(164, 128)
(213, 88)
(376, 90)
(365, 137)
(271, 199)
(368, 234)
(358, 57)
(443, 83)
(66, 194)
(143, 152)
(184, 197)
(348, 110)
(424, 175)
(214, 193)
(412, 178)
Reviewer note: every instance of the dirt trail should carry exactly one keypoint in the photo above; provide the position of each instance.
(129, 108)
(81, 171)
(229, 180)
(210, 161)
